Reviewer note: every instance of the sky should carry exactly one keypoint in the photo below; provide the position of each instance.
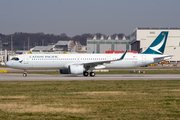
(76, 17)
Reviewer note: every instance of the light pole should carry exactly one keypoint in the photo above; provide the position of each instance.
(11, 44)
(42, 42)
(28, 43)
(24, 46)
(1, 49)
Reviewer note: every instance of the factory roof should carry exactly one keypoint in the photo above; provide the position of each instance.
(50, 47)
(62, 43)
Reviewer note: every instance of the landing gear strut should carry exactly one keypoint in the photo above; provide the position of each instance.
(25, 73)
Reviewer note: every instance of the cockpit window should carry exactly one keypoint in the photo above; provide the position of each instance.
(15, 58)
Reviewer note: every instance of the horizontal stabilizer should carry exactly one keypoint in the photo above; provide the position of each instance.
(164, 57)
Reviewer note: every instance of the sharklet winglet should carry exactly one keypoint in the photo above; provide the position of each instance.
(122, 57)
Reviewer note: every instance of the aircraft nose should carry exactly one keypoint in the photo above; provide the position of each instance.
(7, 64)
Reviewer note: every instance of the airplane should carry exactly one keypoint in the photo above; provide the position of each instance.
(82, 63)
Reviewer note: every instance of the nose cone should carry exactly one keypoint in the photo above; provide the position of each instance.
(7, 64)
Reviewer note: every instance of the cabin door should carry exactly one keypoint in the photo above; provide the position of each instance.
(26, 61)
(143, 59)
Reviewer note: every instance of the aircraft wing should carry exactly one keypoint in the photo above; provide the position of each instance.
(164, 56)
(93, 64)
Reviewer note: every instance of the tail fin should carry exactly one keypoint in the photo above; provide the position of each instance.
(157, 47)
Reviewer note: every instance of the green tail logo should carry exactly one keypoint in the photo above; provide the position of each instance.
(158, 46)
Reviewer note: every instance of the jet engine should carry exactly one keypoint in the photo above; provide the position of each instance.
(64, 71)
(73, 69)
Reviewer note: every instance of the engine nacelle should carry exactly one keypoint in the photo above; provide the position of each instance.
(73, 69)
(76, 69)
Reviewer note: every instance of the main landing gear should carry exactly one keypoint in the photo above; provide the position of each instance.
(92, 74)
(25, 73)
(85, 74)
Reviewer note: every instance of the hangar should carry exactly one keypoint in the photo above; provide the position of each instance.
(100, 45)
(141, 38)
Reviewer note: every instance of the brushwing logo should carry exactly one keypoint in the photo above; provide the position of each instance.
(157, 47)
(20, 61)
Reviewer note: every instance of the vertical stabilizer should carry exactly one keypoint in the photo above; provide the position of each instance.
(158, 45)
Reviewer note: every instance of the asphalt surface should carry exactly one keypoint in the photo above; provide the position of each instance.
(42, 77)
(66, 77)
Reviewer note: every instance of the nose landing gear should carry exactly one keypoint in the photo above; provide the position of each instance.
(25, 73)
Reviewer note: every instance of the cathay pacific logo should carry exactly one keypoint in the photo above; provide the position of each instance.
(157, 47)
(20, 61)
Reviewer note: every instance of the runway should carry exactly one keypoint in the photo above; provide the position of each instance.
(43, 77)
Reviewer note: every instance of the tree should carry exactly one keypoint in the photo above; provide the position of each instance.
(63, 35)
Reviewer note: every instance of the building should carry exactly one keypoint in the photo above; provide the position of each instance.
(100, 45)
(70, 46)
(61, 46)
(141, 39)
(42, 48)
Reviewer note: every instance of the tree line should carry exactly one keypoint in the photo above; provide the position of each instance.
(20, 40)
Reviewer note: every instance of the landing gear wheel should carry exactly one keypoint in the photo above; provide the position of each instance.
(24, 75)
(85, 74)
(92, 74)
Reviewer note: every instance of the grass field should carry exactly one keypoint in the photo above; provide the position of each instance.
(90, 100)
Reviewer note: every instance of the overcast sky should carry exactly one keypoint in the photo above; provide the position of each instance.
(76, 17)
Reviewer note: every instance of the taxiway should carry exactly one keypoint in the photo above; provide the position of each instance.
(43, 77)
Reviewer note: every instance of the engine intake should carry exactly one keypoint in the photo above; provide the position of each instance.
(73, 69)
(64, 71)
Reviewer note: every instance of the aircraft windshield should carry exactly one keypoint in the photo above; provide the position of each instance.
(15, 58)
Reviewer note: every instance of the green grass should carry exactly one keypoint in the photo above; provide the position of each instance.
(90, 100)
(2, 66)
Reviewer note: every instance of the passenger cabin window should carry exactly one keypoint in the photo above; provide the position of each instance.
(15, 58)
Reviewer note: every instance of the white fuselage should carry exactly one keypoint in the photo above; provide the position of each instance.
(62, 61)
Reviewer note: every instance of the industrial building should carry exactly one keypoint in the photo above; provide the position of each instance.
(141, 39)
(100, 45)
(61, 46)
